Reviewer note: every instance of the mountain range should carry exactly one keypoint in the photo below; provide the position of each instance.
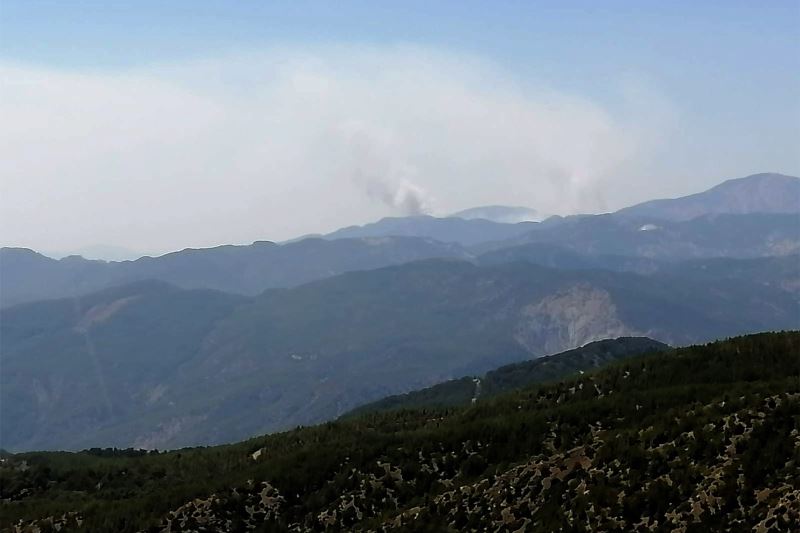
(28, 276)
(630, 239)
(207, 346)
(151, 365)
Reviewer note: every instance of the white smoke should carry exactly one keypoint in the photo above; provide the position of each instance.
(275, 144)
(404, 197)
(379, 172)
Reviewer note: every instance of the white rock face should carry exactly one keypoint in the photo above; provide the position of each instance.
(102, 312)
(568, 319)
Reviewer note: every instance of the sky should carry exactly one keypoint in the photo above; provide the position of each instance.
(156, 126)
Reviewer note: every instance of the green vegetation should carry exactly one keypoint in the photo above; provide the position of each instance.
(518, 375)
(705, 438)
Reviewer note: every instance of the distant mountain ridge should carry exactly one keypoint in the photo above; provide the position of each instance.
(759, 193)
(501, 213)
(103, 252)
(601, 241)
(28, 276)
(721, 235)
(737, 219)
(466, 232)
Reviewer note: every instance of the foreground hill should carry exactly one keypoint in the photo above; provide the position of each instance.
(697, 439)
(153, 366)
(518, 375)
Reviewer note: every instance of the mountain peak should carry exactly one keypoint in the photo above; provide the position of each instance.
(501, 213)
(758, 193)
(763, 179)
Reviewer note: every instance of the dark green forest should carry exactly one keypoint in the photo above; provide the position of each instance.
(517, 375)
(703, 438)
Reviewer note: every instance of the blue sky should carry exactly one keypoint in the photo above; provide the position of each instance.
(569, 41)
(715, 90)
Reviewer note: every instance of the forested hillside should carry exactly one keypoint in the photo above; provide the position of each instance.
(703, 438)
(518, 375)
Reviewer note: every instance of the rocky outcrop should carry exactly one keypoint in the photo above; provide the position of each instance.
(568, 318)
(702, 497)
(240, 509)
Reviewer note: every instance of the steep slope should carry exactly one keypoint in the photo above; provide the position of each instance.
(700, 439)
(73, 366)
(28, 276)
(518, 375)
(759, 193)
(198, 367)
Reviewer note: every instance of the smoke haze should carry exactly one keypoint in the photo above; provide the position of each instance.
(282, 142)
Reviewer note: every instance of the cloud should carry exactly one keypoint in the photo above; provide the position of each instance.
(277, 143)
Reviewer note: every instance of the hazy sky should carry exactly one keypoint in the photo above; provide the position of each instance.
(156, 127)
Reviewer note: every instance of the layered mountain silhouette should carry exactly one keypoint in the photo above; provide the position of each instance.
(753, 217)
(211, 345)
(151, 365)
(28, 276)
